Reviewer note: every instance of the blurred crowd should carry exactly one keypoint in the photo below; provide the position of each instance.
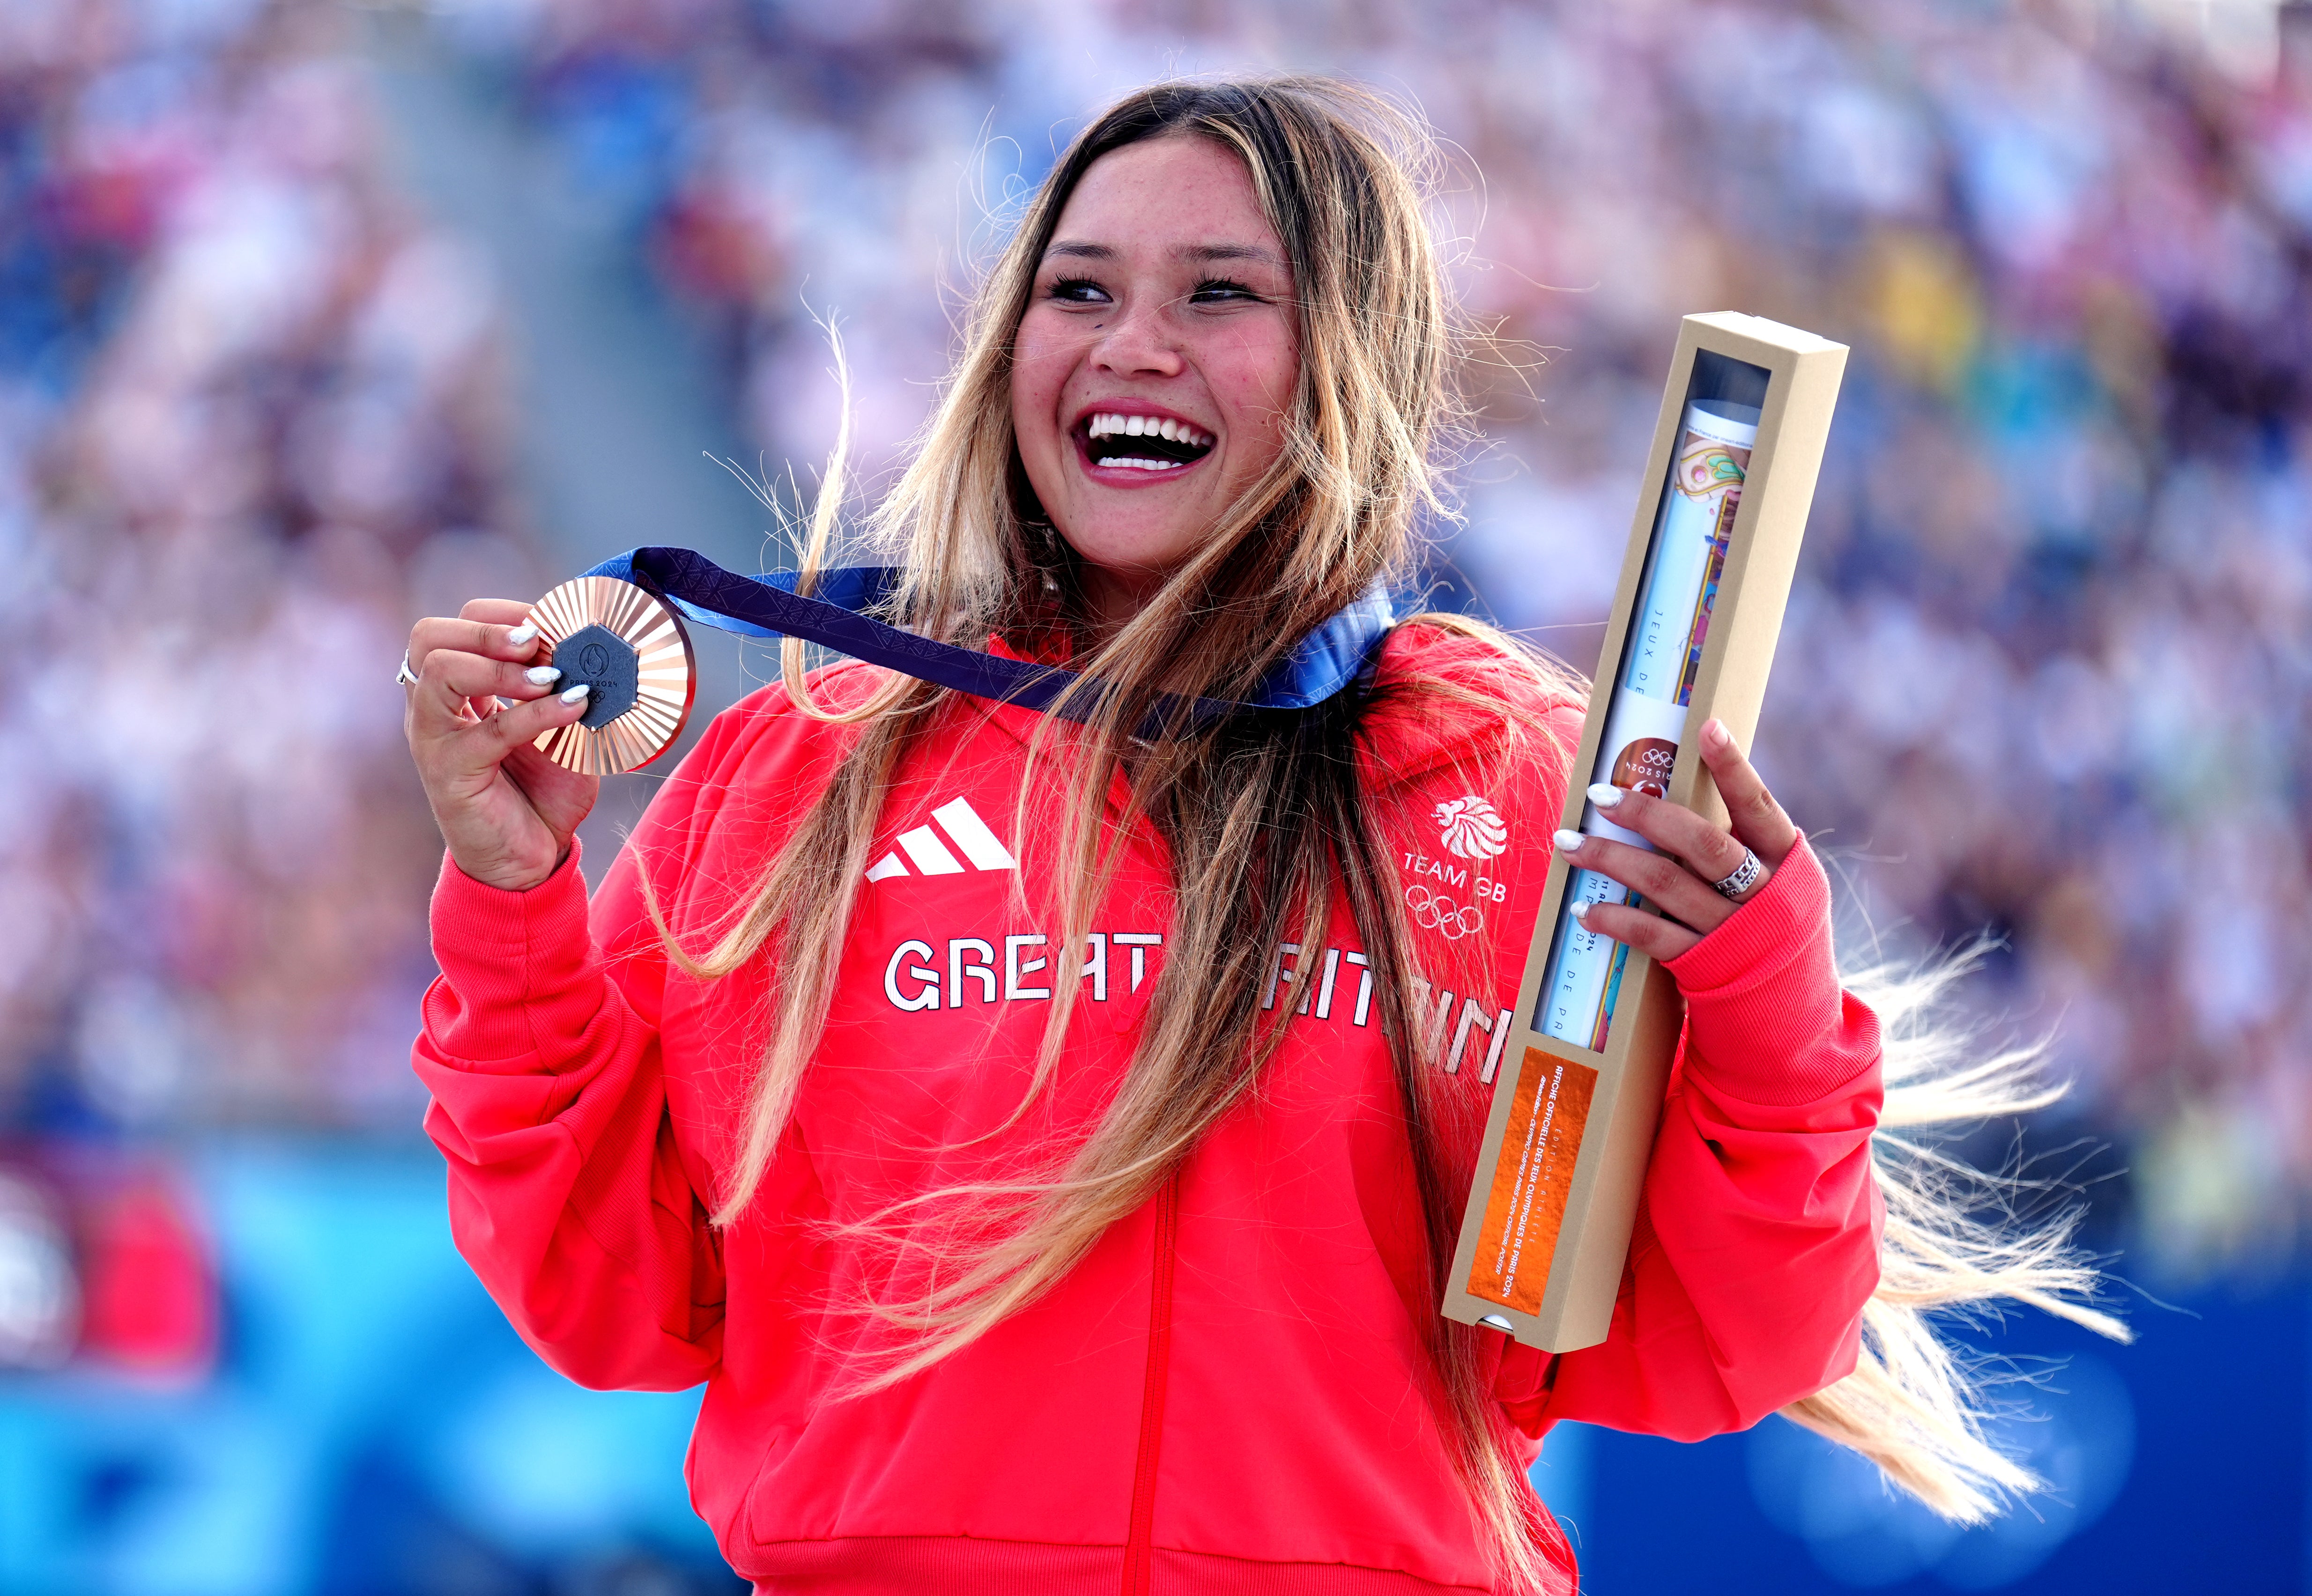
(2046, 671)
(250, 407)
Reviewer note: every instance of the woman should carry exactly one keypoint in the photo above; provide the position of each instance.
(1043, 1134)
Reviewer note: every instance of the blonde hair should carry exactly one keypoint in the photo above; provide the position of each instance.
(1954, 1245)
(1263, 814)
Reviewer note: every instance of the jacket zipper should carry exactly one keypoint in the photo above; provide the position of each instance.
(1137, 1549)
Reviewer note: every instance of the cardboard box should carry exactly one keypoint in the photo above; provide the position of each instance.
(1588, 1053)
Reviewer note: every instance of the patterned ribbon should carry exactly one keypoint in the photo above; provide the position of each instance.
(1325, 662)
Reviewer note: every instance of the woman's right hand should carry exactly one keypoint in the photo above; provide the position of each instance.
(506, 811)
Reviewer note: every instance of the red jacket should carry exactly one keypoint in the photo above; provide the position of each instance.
(1229, 1394)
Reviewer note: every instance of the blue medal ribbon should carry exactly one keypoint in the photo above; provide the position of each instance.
(1326, 661)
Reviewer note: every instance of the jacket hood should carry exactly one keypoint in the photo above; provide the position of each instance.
(1443, 699)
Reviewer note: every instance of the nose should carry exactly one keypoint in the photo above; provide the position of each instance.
(1137, 342)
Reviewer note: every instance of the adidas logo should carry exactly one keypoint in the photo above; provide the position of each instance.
(932, 857)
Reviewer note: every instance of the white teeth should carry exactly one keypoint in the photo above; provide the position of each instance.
(1135, 463)
(1147, 426)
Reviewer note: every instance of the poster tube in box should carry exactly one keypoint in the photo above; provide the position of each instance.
(1691, 636)
(1651, 690)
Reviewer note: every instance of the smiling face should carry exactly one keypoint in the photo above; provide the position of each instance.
(1155, 363)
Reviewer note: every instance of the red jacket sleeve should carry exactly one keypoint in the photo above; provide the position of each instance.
(1756, 1241)
(568, 1194)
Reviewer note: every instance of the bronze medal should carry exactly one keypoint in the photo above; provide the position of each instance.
(631, 650)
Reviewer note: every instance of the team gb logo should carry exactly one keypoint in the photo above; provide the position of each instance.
(1471, 828)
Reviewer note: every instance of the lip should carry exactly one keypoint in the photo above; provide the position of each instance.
(1128, 477)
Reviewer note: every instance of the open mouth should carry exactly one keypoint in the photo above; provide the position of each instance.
(1143, 442)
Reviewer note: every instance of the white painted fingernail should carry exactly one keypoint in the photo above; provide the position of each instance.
(572, 695)
(522, 634)
(1580, 910)
(1567, 841)
(1606, 795)
(542, 673)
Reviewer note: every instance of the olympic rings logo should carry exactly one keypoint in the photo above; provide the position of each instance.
(1434, 912)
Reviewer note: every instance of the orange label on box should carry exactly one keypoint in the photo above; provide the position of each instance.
(1526, 1204)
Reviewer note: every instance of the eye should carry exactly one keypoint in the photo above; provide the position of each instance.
(1077, 290)
(1220, 291)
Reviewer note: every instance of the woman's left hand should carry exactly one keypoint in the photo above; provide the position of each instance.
(1684, 906)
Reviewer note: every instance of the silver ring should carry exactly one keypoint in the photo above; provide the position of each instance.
(405, 677)
(1746, 875)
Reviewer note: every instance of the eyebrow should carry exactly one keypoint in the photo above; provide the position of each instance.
(1082, 249)
(1206, 252)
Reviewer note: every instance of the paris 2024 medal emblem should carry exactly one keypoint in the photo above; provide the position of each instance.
(630, 650)
(1645, 766)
